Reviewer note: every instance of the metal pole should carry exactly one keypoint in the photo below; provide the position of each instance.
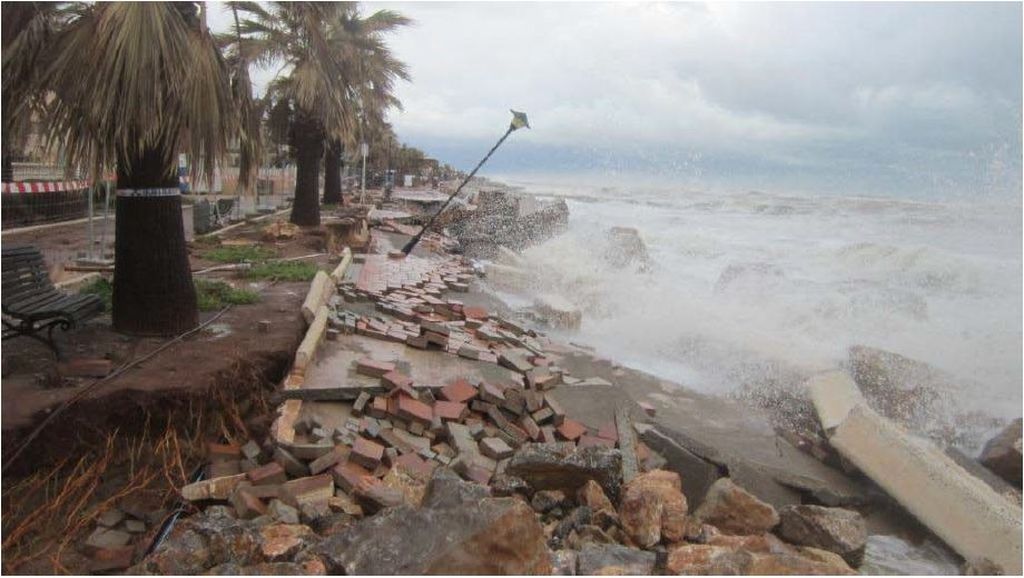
(106, 216)
(363, 148)
(415, 240)
(92, 237)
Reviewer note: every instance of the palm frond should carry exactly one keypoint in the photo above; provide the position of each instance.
(154, 79)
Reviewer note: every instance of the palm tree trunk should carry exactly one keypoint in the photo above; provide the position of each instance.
(332, 172)
(308, 138)
(153, 290)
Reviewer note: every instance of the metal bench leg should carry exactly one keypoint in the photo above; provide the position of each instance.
(52, 343)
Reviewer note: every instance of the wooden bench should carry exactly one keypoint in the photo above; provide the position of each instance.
(32, 304)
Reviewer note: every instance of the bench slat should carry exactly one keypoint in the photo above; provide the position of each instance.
(35, 304)
(73, 305)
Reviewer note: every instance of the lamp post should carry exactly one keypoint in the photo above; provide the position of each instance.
(364, 149)
(518, 121)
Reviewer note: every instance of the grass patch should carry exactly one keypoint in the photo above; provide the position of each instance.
(283, 271)
(214, 295)
(210, 295)
(239, 254)
(102, 288)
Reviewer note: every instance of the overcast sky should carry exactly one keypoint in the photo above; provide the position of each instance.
(855, 98)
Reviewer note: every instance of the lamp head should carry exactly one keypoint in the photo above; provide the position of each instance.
(519, 121)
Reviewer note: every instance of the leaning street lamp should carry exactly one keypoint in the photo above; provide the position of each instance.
(518, 121)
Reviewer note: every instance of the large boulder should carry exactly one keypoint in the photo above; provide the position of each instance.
(653, 508)
(837, 530)
(1002, 454)
(614, 560)
(482, 535)
(905, 390)
(214, 538)
(563, 467)
(625, 247)
(735, 510)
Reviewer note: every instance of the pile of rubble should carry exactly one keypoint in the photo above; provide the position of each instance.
(473, 477)
(478, 478)
(554, 508)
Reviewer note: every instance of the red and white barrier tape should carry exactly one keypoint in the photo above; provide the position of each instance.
(47, 187)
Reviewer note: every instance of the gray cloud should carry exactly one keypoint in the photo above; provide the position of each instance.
(882, 97)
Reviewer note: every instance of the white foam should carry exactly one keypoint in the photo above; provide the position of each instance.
(747, 284)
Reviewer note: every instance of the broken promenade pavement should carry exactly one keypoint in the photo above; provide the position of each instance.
(404, 386)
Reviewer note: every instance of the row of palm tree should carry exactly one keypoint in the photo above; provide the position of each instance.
(127, 86)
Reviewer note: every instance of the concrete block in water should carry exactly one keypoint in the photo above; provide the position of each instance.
(834, 394)
(961, 509)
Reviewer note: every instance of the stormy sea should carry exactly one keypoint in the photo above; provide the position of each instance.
(737, 294)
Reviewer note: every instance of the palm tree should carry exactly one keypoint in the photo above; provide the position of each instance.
(294, 35)
(333, 57)
(376, 71)
(128, 86)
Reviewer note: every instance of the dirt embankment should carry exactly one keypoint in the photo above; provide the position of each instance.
(133, 440)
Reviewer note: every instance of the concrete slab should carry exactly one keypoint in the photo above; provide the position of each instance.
(721, 431)
(961, 509)
(834, 394)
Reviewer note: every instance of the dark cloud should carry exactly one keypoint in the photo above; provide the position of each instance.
(885, 96)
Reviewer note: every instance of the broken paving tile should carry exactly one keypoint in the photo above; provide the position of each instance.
(495, 448)
(373, 368)
(367, 453)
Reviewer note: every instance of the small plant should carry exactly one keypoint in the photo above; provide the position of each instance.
(283, 271)
(102, 288)
(213, 295)
(239, 254)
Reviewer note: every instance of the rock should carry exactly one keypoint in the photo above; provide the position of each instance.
(833, 529)
(697, 473)
(107, 559)
(815, 564)
(653, 508)
(704, 559)
(588, 534)
(265, 569)
(106, 538)
(591, 495)
(484, 536)
(906, 390)
(736, 511)
(312, 512)
(563, 562)
(279, 542)
(554, 466)
(184, 552)
(135, 526)
(613, 559)
(577, 518)
(766, 543)
(547, 500)
(331, 524)
(283, 513)
(411, 489)
(110, 518)
(1002, 454)
(204, 540)
(625, 247)
(448, 490)
(503, 485)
